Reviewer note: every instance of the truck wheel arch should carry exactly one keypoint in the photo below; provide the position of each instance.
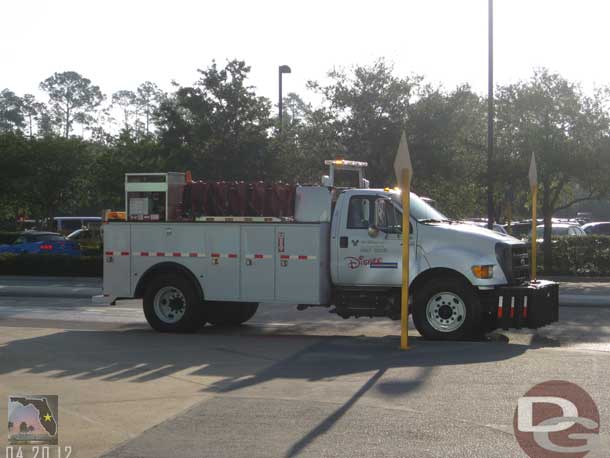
(435, 272)
(166, 268)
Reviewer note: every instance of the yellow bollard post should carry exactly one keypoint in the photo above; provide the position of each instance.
(404, 305)
(534, 224)
(404, 172)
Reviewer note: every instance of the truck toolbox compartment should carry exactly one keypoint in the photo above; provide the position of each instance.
(529, 305)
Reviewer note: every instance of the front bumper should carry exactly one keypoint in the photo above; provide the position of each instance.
(529, 305)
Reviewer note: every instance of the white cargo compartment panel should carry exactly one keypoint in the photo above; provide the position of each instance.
(148, 247)
(233, 262)
(301, 264)
(117, 268)
(257, 263)
(222, 242)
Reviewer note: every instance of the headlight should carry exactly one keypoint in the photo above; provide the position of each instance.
(483, 271)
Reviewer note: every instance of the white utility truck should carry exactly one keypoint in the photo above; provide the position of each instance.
(193, 261)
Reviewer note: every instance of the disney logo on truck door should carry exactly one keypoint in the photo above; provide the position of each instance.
(373, 263)
(355, 263)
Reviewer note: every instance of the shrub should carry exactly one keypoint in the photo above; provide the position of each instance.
(587, 256)
(8, 237)
(51, 265)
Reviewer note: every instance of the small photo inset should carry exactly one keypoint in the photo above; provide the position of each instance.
(33, 419)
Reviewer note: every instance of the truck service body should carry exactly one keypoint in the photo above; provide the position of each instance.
(340, 249)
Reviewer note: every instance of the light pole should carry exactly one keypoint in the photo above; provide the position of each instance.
(282, 69)
(490, 117)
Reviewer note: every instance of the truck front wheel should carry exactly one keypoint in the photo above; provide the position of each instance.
(447, 309)
(172, 304)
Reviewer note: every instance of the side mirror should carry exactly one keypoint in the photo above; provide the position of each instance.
(410, 230)
(373, 231)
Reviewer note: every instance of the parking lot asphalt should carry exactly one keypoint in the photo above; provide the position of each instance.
(287, 384)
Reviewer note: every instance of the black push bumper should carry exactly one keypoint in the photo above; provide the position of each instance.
(529, 305)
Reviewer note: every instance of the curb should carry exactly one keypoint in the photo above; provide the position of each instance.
(584, 300)
(59, 292)
(574, 279)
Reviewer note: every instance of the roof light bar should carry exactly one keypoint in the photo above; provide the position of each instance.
(342, 162)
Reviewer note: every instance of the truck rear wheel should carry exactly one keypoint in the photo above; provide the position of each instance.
(172, 304)
(447, 309)
(230, 313)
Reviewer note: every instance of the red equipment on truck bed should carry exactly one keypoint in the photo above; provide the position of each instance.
(237, 198)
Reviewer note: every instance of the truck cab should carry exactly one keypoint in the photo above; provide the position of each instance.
(453, 266)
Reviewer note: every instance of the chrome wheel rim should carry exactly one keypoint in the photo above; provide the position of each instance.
(446, 311)
(169, 304)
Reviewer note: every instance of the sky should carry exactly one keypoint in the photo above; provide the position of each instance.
(119, 44)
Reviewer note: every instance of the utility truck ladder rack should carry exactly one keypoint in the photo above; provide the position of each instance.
(340, 164)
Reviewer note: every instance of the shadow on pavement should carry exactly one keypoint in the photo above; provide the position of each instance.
(242, 361)
(143, 355)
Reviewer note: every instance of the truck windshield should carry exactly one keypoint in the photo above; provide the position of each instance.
(420, 210)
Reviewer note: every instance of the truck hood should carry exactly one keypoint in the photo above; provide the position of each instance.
(471, 231)
(460, 246)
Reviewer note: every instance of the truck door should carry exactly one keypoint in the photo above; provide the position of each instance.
(370, 243)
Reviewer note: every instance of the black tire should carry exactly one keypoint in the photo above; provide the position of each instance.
(446, 320)
(230, 313)
(193, 314)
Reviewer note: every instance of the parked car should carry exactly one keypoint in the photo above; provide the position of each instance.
(597, 228)
(496, 227)
(520, 229)
(89, 240)
(36, 242)
(560, 230)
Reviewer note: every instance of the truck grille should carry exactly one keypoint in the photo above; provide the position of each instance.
(520, 264)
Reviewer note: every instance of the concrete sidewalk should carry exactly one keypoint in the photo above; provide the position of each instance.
(68, 287)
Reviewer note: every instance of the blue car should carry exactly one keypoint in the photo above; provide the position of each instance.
(34, 242)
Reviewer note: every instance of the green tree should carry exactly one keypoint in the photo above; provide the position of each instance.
(218, 128)
(14, 168)
(568, 131)
(307, 139)
(148, 96)
(124, 154)
(46, 125)
(72, 98)
(446, 133)
(57, 177)
(31, 110)
(366, 109)
(126, 101)
(370, 108)
(11, 118)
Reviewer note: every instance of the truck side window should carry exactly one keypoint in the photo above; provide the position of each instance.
(359, 213)
(387, 217)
